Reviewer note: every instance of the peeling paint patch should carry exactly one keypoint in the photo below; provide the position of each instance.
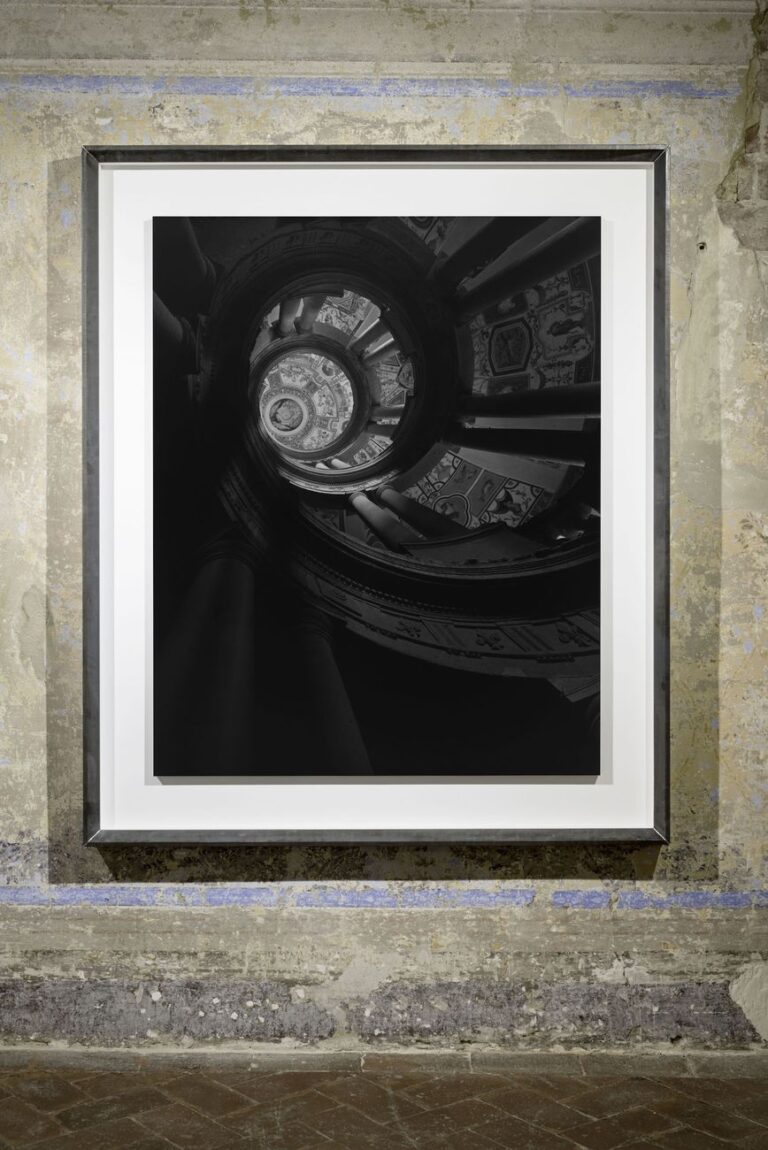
(340, 896)
(460, 1010)
(406, 895)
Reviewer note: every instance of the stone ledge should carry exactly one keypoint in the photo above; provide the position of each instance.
(653, 1063)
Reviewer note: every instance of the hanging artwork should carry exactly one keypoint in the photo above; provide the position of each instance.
(376, 504)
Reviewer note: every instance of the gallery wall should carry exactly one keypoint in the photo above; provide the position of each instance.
(339, 948)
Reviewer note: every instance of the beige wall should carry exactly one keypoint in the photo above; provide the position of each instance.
(552, 944)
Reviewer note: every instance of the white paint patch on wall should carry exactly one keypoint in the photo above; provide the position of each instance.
(750, 992)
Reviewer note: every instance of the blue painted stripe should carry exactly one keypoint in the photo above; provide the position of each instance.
(239, 895)
(25, 895)
(374, 895)
(690, 900)
(319, 895)
(582, 899)
(130, 85)
(102, 896)
(310, 87)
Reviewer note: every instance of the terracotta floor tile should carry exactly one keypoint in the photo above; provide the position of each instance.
(602, 1134)
(297, 1108)
(560, 1087)
(21, 1124)
(262, 1087)
(279, 1136)
(712, 1120)
(150, 1143)
(109, 1085)
(513, 1134)
(169, 1108)
(326, 1145)
(119, 1135)
(688, 1140)
(351, 1128)
(603, 1101)
(714, 1090)
(754, 1142)
(383, 1138)
(442, 1090)
(203, 1093)
(534, 1108)
(434, 1125)
(756, 1109)
(644, 1122)
(484, 1083)
(377, 1102)
(187, 1129)
(395, 1081)
(467, 1140)
(46, 1091)
(106, 1109)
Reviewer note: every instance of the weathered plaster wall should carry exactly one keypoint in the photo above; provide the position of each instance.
(347, 946)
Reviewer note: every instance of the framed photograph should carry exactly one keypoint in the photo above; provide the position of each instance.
(376, 494)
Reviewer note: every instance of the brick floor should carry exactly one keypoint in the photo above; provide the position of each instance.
(390, 1108)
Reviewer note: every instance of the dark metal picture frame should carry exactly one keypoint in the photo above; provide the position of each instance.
(95, 160)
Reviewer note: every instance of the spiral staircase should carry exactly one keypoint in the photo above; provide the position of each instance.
(395, 426)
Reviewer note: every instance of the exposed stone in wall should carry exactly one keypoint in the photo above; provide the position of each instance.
(743, 195)
(579, 1013)
(701, 1012)
(100, 1012)
(463, 1011)
(112, 1012)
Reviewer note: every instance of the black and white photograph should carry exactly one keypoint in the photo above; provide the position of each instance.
(376, 526)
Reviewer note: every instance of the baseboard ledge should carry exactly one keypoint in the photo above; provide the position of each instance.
(750, 1063)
